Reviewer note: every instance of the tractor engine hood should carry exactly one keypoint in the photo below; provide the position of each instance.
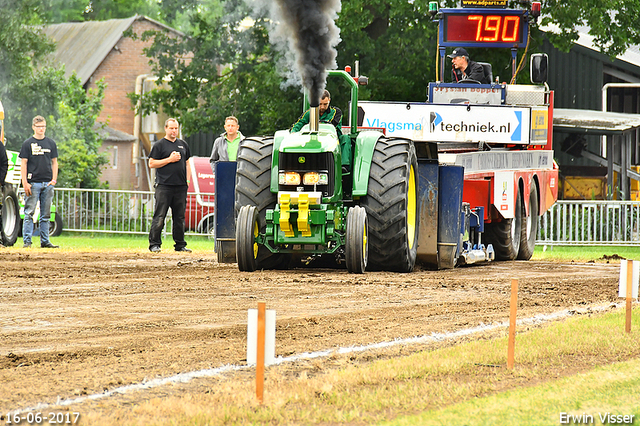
(324, 139)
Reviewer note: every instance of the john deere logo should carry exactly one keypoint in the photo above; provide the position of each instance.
(301, 160)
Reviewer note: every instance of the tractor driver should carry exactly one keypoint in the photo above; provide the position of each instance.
(332, 115)
(464, 68)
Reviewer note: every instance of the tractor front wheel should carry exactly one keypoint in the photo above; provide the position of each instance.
(246, 234)
(253, 188)
(356, 247)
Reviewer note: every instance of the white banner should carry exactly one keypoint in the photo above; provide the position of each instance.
(450, 123)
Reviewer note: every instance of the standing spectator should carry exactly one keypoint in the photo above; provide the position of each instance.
(39, 171)
(170, 156)
(225, 147)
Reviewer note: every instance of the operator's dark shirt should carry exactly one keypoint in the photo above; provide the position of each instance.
(474, 71)
(172, 174)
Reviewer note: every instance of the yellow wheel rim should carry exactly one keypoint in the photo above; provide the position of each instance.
(364, 243)
(255, 236)
(411, 207)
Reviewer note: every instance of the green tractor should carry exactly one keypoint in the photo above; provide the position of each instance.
(298, 199)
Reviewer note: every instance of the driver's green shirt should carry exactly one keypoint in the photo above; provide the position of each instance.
(332, 115)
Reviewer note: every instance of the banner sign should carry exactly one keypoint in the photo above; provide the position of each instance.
(450, 123)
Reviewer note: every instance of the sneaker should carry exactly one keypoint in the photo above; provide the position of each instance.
(154, 249)
(48, 245)
(184, 249)
(26, 245)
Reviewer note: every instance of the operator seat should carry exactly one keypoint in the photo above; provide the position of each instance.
(488, 73)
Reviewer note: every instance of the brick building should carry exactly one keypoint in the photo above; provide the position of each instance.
(98, 50)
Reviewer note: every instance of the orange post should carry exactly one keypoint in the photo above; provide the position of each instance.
(260, 352)
(627, 326)
(512, 324)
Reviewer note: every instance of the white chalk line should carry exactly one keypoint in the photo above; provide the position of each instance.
(211, 372)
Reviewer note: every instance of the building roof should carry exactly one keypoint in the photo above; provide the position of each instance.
(109, 134)
(82, 46)
(592, 121)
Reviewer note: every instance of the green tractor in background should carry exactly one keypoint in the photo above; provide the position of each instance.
(295, 201)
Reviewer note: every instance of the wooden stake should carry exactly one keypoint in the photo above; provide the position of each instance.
(512, 324)
(260, 352)
(627, 326)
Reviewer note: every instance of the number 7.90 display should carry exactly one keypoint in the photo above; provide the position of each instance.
(484, 28)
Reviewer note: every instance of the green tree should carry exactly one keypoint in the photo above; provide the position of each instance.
(612, 23)
(30, 86)
(395, 43)
(223, 68)
(74, 130)
(226, 68)
(57, 11)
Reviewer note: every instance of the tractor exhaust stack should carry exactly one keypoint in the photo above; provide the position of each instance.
(314, 119)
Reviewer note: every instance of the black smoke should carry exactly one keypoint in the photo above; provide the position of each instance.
(312, 33)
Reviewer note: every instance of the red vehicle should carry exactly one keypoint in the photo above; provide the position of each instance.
(199, 216)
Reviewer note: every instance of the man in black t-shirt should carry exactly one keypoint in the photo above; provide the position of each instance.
(170, 157)
(39, 171)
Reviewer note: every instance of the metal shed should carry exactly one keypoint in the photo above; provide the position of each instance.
(617, 142)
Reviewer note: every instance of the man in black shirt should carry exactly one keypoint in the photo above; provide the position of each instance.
(170, 157)
(466, 69)
(39, 171)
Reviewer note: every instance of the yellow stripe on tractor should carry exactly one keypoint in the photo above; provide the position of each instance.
(284, 215)
(303, 215)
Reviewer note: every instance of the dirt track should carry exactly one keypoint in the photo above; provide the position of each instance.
(81, 323)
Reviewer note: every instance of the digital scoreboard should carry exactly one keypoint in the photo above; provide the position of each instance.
(483, 27)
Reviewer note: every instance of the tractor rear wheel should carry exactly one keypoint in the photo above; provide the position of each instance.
(505, 236)
(356, 247)
(391, 206)
(11, 223)
(246, 234)
(530, 226)
(253, 188)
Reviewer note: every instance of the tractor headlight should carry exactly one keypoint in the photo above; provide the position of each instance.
(289, 178)
(315, 178)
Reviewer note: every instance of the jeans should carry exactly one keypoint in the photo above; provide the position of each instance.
(40, 192)
(174, 197)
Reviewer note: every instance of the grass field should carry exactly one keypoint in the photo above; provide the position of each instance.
(576, 371)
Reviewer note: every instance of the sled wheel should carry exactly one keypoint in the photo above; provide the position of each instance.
(505, 236)
(391, 206)
(253, 188)
(530, 226)
(11, 223)
(246, 234)
(356, 247)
